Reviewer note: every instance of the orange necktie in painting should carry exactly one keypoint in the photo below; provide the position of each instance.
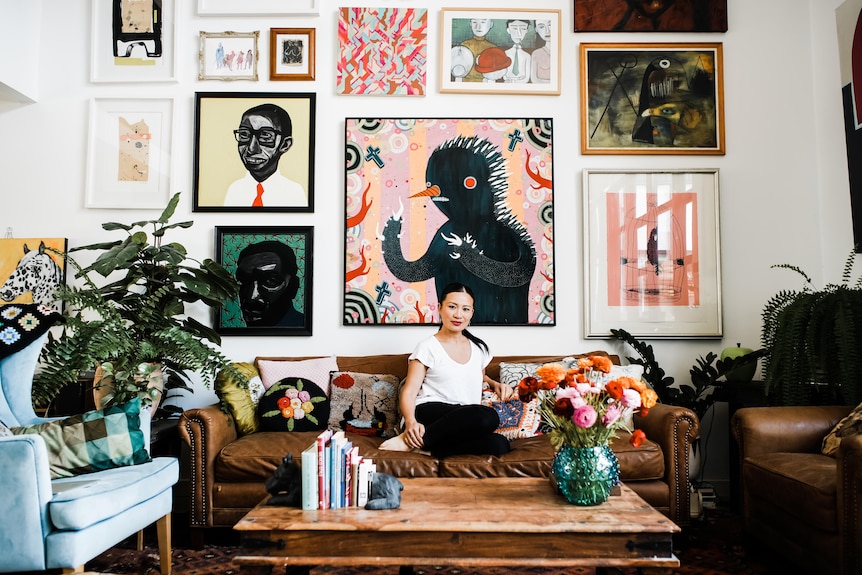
(258, 200)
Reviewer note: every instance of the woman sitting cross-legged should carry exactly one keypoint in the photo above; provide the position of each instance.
(440, 399)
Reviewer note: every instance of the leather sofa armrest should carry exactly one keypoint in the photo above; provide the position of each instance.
(796, 429)
(849, 489)
(206, 431)
(674, 428)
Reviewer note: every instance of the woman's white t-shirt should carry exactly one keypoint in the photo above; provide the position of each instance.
(447, 380)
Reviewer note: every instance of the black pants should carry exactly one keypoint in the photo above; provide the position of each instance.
(460, 429)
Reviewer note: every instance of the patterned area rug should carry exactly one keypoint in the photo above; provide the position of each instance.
(711, 546)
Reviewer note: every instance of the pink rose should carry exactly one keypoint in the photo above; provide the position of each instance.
(631, 398)
(304, 396)
(585, 416)
(612, 415)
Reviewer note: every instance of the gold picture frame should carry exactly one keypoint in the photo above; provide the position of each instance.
(228, 56)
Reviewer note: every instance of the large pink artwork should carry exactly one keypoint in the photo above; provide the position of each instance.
(432, 201)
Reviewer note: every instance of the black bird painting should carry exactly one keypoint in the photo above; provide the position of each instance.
(482, 244)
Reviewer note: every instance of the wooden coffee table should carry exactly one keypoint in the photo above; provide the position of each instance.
(465, 522)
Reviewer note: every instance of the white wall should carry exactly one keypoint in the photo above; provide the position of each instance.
(784, 193)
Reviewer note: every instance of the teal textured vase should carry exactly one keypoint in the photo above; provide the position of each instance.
(585, 475)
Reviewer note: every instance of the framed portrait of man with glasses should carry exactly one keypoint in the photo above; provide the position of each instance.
(254, 152)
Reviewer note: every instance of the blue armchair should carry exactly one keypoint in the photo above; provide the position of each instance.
(65, 522)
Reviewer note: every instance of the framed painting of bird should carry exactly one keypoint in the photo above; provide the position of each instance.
(651, 253)
(652, 99)
(435, 201)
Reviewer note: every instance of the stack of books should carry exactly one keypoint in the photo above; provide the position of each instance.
(334, 475)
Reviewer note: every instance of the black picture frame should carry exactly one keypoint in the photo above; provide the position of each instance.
(221, 181)
(230, 241)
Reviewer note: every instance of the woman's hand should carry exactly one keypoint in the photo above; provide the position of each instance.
(504, 392)
(414, 433)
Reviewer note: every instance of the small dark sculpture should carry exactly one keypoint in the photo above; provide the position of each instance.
(385, 492)
(285, 485)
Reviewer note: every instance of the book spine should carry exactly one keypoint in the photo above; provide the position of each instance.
(321, 468)
(309, 478)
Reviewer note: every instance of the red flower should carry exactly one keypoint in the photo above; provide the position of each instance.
(283, 402)
(527, 388)
(564, 408)
(637, 438)
(344, 381)
(614, 389)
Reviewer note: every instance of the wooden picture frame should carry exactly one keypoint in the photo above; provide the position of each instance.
(259, 7)
(284, 307)
(133, 46)
(652, 261)
(223, 183)
(129, 153)
(228, 56)
(500, 51)
(651, 98)
(640, 16)
(431, 201)
(291, 53)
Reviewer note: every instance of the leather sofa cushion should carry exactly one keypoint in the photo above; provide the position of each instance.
(804, 485)
(254, 458)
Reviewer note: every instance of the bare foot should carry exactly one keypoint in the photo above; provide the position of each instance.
(396, 443)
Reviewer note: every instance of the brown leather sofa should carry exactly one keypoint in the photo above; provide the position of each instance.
(227, 471)
(800, 503)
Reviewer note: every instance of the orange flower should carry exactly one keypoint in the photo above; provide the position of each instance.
(648, 398)
(615, 388)
(637, 438)
(551, 373)
(602, 363)
(638, 385)
(626, 382)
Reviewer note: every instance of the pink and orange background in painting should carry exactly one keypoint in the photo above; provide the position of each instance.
(386, 164)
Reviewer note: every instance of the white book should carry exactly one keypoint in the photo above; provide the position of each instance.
(363, 481)
(308, 469)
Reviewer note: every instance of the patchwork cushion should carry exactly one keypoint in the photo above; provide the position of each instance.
(293, 404)
(241, 400)
(364, 403)
(850, 425)
(316, 370)
(93, 441)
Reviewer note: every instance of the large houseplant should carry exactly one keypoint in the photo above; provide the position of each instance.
(127, 315)
(813, 339)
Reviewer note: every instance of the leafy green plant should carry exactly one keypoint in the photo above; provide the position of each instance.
(813, 340)
(706, 383)
(138, 315)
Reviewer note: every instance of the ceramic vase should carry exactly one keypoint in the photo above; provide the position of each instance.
(585, 475)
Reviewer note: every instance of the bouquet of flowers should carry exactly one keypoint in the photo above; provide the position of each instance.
(583, 406)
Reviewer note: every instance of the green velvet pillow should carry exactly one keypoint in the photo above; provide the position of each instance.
(240, 398)
(92, 441)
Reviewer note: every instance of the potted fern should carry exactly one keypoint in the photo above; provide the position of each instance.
(813, 340)
(127, 319)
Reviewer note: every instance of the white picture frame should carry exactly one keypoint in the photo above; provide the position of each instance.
(228, 56)
(652, 264)
(139, 66)
(124, 134)
(259, 7)
(484, 64)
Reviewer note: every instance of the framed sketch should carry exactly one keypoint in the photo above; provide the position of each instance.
(129, 153)
(291, 53)
(273, 265)
(259, 7)
(382, 51)
(254, 152)
(133, 42)
(651, 264)
(652, 99)
(500, 51)
(650, 16)
(31, 270)
(228, 56)
(434, 201)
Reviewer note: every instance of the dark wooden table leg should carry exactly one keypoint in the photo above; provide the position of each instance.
(405, 570)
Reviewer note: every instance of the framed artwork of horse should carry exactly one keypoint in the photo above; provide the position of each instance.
(31, 270)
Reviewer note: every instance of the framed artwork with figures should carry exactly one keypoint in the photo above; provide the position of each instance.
(500, 51)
